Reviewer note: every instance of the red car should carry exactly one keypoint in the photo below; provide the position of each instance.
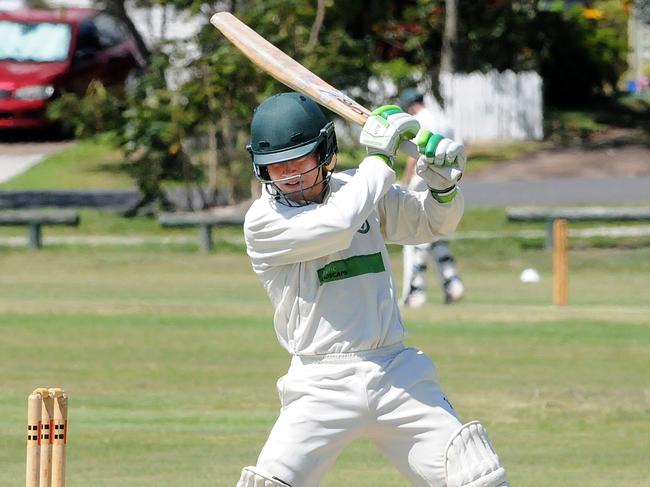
(46, 52)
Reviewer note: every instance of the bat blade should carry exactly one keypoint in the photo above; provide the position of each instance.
(287, 70)
(291, 73)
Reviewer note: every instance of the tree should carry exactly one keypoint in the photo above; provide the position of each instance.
(153, 138)
(579, 57)
(224, 86)
(201, 127)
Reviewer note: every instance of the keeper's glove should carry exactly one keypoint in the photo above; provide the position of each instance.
(386, 128)
(438, 155)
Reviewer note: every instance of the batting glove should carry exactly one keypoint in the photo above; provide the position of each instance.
(386, 128)
(438, 155)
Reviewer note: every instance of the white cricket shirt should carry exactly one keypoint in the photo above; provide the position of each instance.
(325, 266)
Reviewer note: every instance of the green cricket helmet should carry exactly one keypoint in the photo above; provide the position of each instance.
(290, 126)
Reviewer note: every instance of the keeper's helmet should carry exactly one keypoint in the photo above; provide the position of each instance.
(290, 126)
(409, 96)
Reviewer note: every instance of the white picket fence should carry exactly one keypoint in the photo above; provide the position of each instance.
(494, 105)
(479, 106)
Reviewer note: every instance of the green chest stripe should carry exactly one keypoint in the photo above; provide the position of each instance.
(351, 267)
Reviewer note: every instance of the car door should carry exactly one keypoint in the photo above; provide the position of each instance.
(89, 59)
(119, 50)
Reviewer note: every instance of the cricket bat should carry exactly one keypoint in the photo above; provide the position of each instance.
(294, 75)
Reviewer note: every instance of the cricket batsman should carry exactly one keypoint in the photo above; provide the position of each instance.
(317, 241)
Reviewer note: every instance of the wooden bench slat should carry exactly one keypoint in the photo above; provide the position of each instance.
(233, 215)
(581, 213)
(197, 219)
(530, 214)
(29, 217)
(34, 219)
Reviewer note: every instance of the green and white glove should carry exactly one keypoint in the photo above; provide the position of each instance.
(439, 155)
(386, 128)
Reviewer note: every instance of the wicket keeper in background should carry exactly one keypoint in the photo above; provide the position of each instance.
(316, 240)
(418, 257)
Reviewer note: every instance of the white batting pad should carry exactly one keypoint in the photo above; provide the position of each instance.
(254, 477)
(471, 461)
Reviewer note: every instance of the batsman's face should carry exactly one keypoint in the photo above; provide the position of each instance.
(299, 179)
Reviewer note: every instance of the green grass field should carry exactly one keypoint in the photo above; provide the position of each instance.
(170, 361)
(88, 164)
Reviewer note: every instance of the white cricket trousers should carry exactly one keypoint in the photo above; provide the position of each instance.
(390, 396)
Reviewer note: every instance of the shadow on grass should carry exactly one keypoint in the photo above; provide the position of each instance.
(605, 122)
(21, 136)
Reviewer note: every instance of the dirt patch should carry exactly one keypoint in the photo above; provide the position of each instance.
(614, 154)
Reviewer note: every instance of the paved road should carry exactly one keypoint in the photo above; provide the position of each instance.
(11, 166)
(608, 173)
(565, 191)
(17, 156)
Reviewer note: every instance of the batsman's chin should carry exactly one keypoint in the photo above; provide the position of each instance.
(291, 188)
(297, 193)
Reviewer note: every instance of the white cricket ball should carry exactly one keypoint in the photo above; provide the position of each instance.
(529, 275)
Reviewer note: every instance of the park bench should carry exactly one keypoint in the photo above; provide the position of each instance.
(206, 220)
(583, 214)
(35, 219)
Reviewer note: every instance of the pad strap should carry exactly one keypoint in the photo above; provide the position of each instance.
(254, 477)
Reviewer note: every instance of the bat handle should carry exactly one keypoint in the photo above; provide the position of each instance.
(410, 149)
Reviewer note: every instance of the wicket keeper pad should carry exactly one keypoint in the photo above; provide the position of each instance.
(254, 477)
(471, 461)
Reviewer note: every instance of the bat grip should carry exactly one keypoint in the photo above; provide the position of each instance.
(410, 149)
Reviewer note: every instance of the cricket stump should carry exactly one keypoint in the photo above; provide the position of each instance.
(34, 405)
(47, 428)
(46, 439)
(59, 439)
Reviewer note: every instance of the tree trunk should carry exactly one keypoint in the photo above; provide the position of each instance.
(316, 27)
(449, 38)
(228, 145)
(118, 8)
(213, 149)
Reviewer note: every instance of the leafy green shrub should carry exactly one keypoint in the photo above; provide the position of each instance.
(96, 112)
(571, 127)
(149, 124)
(580, 57)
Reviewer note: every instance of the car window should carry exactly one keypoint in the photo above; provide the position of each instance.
(88, 37)
(36, 42)
(109, 29)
